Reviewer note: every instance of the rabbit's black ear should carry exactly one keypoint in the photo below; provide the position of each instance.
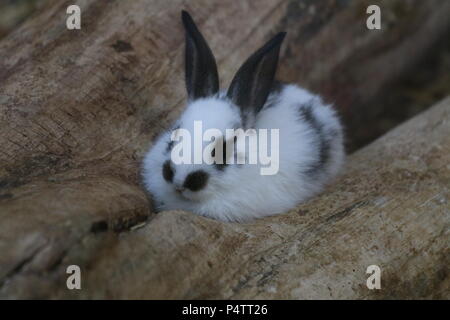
(202, 79)
(253, 81)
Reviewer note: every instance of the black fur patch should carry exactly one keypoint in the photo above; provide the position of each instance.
(170, 143)
(196, 181)
(222, 166)
(272, 100)
(169, 146)
(307, 114)
(277, 86)
(168, 171)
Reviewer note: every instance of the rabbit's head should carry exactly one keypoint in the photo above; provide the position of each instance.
(210, 108)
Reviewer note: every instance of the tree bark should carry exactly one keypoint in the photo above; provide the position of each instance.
(79, 108)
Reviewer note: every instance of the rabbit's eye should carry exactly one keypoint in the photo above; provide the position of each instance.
(167, 171)
(224, 149)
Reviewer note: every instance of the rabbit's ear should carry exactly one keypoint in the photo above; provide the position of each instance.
(202, 79)
(253, 81)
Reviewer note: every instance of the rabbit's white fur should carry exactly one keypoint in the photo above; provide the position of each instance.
(310, 154)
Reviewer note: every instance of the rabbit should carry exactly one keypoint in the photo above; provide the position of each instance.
(310, 142)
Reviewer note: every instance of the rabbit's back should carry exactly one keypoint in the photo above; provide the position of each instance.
(311, 148)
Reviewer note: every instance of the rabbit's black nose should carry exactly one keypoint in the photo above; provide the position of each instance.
(196, 181)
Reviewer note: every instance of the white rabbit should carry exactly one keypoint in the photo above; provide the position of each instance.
(310, 139)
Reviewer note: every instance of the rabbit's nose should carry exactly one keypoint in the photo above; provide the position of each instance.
(179, 189)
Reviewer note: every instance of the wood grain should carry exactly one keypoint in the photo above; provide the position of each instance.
(79, 108)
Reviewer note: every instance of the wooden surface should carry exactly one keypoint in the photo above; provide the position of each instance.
(79, 108)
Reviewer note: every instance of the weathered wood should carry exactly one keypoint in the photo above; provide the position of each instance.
(78, 109)
(391, 208)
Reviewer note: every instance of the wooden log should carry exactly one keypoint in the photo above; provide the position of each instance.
(79, 108)
(391, 208)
